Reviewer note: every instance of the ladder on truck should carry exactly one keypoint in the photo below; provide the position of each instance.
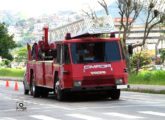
(86, 26)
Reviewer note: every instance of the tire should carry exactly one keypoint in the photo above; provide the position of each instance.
(59, 94)
(115, 94)
(26, 92)
(35, 91)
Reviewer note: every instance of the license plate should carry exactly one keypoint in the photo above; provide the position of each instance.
(122, 86)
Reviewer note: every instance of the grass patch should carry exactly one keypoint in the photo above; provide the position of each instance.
(11, 72)
(148, 78)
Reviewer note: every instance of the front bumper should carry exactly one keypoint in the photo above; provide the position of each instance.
(98, 88)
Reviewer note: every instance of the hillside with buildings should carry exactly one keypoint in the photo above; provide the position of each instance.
(29, 30)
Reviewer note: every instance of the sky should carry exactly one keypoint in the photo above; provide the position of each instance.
(38, 7)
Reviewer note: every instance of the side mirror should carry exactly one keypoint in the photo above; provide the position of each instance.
(54, 53)
(112, 35)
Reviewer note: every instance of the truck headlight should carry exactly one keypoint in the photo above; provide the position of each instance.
(77, 83)
(119, 81)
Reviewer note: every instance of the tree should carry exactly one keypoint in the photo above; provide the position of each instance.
(5, 63)
(6, 42)
(163, 24)
(142, 57)
(162, 55)
(21, 54)
(128, 9)
(104, 5)
(90, 13)
(154, 16)
(133, 8)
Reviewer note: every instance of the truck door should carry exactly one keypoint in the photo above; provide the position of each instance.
(67, 73)
(60, 62)
(63, 58)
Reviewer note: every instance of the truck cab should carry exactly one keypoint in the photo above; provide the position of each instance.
(92, 64)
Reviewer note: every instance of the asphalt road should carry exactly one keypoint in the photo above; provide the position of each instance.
(131, 106)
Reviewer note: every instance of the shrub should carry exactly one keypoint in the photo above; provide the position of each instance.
(142, 58)
(162, 55)
(5, 63)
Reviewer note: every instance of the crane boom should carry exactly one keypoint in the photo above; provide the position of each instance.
(83, 27)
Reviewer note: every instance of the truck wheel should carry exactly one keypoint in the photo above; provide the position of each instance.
(115, 94)
(26, 92)
(34, 88)
(58, 92)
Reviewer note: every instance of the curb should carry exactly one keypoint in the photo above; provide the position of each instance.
(148, 89)
(151, 91)
(11, 78)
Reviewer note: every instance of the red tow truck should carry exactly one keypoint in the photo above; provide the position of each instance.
(76, 60)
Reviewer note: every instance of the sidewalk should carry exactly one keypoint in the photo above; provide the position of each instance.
(11, 78)
(155, 88)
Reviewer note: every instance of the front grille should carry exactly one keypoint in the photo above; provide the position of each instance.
(98, 77)
(98, 82)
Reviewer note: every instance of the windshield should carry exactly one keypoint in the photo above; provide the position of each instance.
(95, 52)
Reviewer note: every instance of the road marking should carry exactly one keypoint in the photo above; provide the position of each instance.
(7, 118)
(43, 117)
(47, 110)
(8, 110)
(153, 113)
(122, 115)
(144, 101)
(35, 108)
(116, 106)
(85, 117)
(56, 106)
(141, 99)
